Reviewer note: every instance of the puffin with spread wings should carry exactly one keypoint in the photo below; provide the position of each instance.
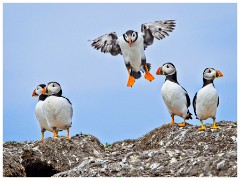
(132, 45)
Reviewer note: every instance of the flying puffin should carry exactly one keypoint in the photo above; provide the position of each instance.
(57, 109)
(132, 45)
(206, 100)
(38, 109)
(174, 95)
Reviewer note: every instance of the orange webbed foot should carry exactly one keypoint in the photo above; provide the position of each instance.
(149, 76)
(182, 124)
(131, 81)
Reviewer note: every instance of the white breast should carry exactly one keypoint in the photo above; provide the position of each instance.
(134, 54)
(41, 117)
(206, 103)
(58, 112)
(174, 98)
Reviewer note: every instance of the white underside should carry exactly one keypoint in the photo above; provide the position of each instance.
(206, 104)
(58, 112)
(134, 54)
(175, 99)
(41, 117)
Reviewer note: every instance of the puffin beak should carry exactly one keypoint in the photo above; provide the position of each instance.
(130, 41)
(218, 74)
(45, 90)
(34, 93)
(159, 71)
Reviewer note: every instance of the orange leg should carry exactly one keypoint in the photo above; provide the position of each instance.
(202, 128)
(148, 75)
(68, 134)
(183, 124)
(42, 136)
(55, 133)
(214, 126)
(131, 80)
(172, 122)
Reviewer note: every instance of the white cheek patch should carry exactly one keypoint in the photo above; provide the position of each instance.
(209, 76)
(39, 91)
(170, 71)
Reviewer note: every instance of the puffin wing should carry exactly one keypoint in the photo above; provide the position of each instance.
(194, 104)
(187, 98)
(107, 44)
(157, 29)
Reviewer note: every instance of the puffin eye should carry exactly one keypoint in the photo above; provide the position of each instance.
(53, 85)
(167, 66)
(209, 71)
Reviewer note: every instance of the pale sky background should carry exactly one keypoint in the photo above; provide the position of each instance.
(49, 42)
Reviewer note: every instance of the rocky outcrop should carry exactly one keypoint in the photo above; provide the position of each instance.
(165, 151)
(43, 159)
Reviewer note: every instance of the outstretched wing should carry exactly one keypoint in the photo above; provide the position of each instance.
(157, 29)
(108, 44)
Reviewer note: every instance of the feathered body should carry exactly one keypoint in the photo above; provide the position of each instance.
(174, 95)
(132, 45)
(206, 100)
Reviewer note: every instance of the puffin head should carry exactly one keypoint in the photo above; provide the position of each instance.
(166, 69)
(130, 36)
(38, 90)
(52, 88)
(211, 74)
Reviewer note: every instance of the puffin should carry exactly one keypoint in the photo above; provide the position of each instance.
(38, 109)
(174, 95)
(132, 45)
(57, 109)
(206, 100)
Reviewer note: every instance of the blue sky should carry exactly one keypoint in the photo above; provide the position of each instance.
(49, 42)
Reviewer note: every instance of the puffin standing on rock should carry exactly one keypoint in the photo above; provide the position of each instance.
(206, 100)
(132, 45)
(174, 95)
(39, 111)
(57, 109)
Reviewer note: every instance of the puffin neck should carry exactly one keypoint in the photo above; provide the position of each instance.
(172, 78)
(59, 94)
(206, 82)
(42, 97)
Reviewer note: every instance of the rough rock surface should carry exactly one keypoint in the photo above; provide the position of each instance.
(165, 151)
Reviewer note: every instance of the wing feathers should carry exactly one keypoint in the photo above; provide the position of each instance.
(107, 44)
(157, 29)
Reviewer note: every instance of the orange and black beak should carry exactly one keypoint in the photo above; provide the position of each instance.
(218, 74)
(130, 41)
(159, 71)
(45, 90)
(34, 93)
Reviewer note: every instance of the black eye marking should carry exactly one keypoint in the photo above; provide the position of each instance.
(167, 66)
(209, 71)
(53, 85)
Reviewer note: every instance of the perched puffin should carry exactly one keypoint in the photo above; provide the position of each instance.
(57, 109)
(206, 100)
(38, 109)
(132, 45)
(174, 95)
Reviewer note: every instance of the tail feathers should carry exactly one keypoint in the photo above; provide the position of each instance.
(135, 74)
(189, 115)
